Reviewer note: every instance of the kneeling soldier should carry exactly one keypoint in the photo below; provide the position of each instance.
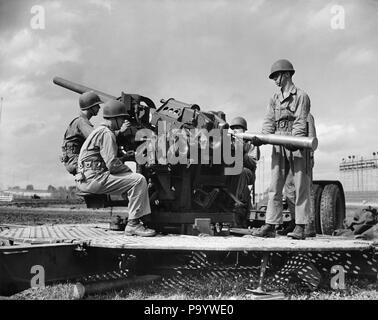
(100, 171)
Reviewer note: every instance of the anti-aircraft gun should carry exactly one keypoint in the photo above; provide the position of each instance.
(190, 190)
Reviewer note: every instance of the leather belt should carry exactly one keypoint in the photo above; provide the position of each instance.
(95, 165)
(284, 124)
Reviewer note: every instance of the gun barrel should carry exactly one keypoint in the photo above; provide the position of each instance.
(80, 88)
(282, 140)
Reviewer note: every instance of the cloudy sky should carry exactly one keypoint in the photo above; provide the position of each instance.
(214, 53)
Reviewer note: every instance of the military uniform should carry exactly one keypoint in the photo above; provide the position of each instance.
(287, 115)
(289, 189)
(239, 184)
(78, 130)
(100, 171)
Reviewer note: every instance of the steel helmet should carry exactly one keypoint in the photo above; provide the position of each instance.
(281, 66)
(238, 121)
(89, 99)
(114, 108)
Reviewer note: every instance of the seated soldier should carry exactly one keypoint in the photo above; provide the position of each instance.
(100, 171)
(239, 184)
(79, 129)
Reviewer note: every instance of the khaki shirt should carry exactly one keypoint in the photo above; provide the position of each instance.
(78, 130)
(311, 126)
(251, 154)
(311, 133)
(101, 146)
(293, 108)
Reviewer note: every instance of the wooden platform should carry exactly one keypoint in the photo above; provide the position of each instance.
(98, 235)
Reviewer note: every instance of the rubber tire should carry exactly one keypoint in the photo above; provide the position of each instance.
(332, 209)
(316, 194)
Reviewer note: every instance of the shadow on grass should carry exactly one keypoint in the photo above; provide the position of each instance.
(226, 288)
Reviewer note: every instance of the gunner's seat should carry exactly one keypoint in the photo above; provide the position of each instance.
(96, 201)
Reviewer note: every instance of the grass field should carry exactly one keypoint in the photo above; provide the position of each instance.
(54, 215)
(228, 288)
(231, 287)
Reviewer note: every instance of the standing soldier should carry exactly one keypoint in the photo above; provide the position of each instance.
(100, 171)
(79, 129)
(287, 115)
(239, 184)
(289, 189)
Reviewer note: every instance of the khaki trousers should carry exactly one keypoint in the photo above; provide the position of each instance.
(285, 162)
(289, 190)
(130, 185)
(238, 185)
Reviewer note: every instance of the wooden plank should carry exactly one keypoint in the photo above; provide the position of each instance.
(6, 233)
(74, 233)
(18, 232)
(44, 232)
(38, 232)
(28, 230)
(49, 234)
(55, 230)
(88, 232)
(25, 233)
(65, 233)
(101, 232)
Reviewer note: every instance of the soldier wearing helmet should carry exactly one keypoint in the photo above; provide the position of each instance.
(101, 171)
(287, 114)
(239, 184)
(79, 129)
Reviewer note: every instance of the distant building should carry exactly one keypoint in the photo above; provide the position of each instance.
(5, 198)
(359, 174)
(23, 193)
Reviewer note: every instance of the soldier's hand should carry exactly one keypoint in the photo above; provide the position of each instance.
(256, 142)
(291, 148)
(129, 156)
(126, 125)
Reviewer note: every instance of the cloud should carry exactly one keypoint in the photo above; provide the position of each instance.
(15, 88)
(368, 105)
(30, 128)
(29, 57)
(320, 19)
(25, 51)
(105, 4)
(214, 53)
(351, 132)
(356, 56)
(334, 137)
(256, 5)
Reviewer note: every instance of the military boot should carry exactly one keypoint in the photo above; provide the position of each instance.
(266, 231)
(136, 228)
(310, 231)
(289, 228)
(240, 213)
(298, 233)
